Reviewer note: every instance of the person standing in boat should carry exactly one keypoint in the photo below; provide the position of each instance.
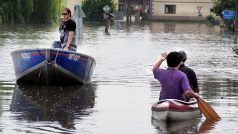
(192, 78)
(175, 84)
(67, 32)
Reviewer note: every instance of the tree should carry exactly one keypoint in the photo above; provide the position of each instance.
(94, 8)
(30, 11)
(221, 5)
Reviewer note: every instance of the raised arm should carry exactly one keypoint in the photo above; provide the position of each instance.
(157, 64)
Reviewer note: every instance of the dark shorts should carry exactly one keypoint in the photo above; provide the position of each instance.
(57, 44)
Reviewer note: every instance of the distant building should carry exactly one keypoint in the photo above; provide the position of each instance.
(180, 9)
(142, 5)
(71, 3)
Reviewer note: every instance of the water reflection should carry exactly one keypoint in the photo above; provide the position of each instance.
(187, 126)
(209, 54)
(61, 104)
(181, 27)
(221, 94)
(207, 126)
(169, 27)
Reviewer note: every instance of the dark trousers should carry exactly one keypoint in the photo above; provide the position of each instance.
(57, 44)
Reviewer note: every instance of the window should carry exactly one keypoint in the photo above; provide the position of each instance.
(170, 9)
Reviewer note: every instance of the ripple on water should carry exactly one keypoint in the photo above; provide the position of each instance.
(125, 87)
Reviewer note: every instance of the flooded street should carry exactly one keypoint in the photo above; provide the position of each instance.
(122, 91)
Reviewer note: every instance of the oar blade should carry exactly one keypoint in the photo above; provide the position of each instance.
(207, 110)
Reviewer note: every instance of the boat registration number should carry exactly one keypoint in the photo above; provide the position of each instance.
(25, 55)
(74, 57)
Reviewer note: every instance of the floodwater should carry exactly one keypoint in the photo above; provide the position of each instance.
(119, 98)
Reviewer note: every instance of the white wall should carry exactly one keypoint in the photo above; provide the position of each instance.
(184, 8)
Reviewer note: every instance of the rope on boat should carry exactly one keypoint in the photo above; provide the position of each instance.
(54, 61)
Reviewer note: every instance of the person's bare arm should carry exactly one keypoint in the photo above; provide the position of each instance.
(196, 90)
(69, 41)
(163, 57)
(191, 94)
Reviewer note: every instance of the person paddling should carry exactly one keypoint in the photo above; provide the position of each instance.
(192, 78)
(175, 84)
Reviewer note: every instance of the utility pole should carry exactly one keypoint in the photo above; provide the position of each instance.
(11, 12)
(128, 11)
(236, 21)
(108, 17)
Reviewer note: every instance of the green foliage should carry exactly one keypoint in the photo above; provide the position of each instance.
(94, 8)
(211, 20)
(30, 11)
(221, 5)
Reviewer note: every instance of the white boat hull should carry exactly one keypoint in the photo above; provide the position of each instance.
(175, 110)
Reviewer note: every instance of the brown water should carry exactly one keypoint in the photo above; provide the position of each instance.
(123, 89)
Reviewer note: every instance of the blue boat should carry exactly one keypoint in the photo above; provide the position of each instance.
(50, 66)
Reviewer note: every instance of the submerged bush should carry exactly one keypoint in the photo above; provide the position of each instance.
(94, 8)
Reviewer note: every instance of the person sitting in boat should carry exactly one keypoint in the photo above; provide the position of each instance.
(67, 32)
(192, 78)
(175, 84)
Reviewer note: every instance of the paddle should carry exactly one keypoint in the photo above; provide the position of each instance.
(207, 110)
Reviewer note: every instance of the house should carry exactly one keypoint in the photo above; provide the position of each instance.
(136, 5)
(180, 9)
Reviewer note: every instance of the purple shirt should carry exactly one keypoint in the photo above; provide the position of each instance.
(174, 83)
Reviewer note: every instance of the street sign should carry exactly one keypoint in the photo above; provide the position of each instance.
(228, 14)
(106, 8)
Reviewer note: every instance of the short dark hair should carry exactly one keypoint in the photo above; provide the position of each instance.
(184, 56)
(174, 58)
